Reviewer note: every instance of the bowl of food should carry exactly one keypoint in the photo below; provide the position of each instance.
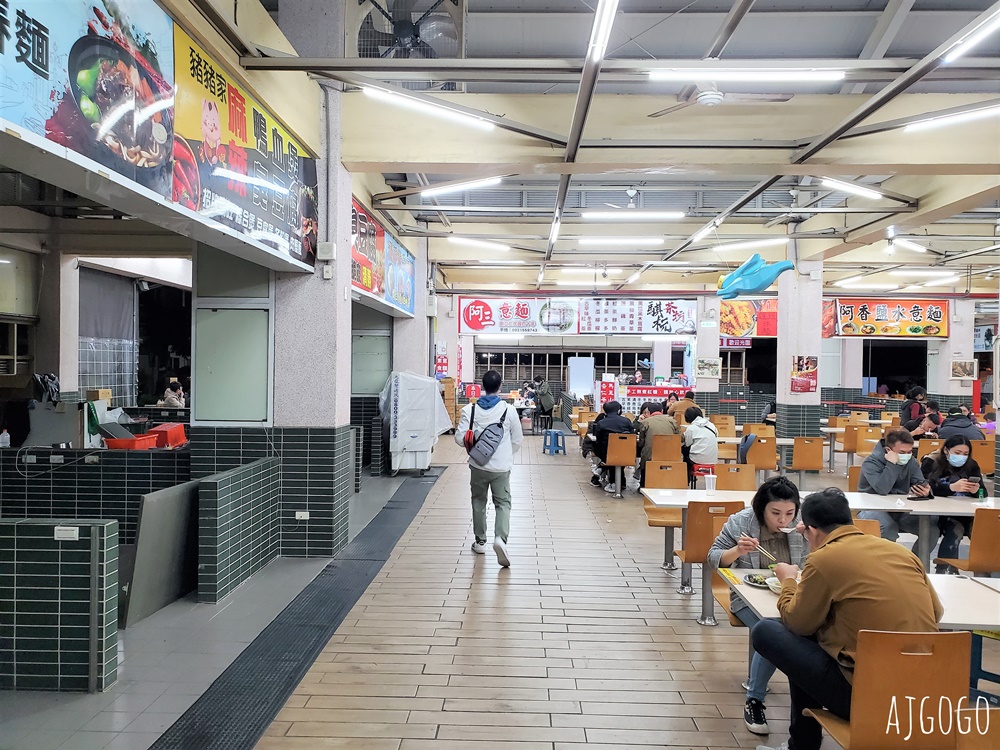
(774, 584)
(848, 329)
(890, 330)
(932, 330)
(868, 329)
(915, 330)
(129, 108)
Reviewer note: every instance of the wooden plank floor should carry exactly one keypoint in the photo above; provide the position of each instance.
(583, 641)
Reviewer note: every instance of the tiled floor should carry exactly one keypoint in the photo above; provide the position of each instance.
(583, 641)
(167, 661)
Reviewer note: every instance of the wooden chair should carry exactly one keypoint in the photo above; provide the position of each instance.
(895, 422)
(858, 417)
(758, 429)
(927, 446)
(668, 519)
(888, 416)
(629, 416)
(699, 535)
(853, 478)
(977, 729)
(848, 442)
(621, 453)
(984, 545)
(868, 438)
(666, 475)
(984, 455)
(868, 526)
(735, 477)
(834, 422)
(807, 455)
(723, 421)
(763, 455)
(889, 666)
(667, 448)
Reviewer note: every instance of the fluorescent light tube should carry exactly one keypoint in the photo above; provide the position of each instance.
(554, 232)
(485, 244)
(963, 46)
(645, 241)
(948, 281)
(633, 278)
(428, 108)
(909, 245)
(847, 187)
(459, 187)
(608, 271)
(247, 179)
(604, 20)
(754, 244)
(502, 262)
(921, 272)
(944, 120)
(4, 262)
(848, 280)
(703, 233)
(868, 286)
(541, 276)
(693, 75)
(633, 215)
(581, 282)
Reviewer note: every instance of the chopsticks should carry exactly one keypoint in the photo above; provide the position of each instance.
(763, 551)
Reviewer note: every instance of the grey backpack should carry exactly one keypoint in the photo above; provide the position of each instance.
(484, 446)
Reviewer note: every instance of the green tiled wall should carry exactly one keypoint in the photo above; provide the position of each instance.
(238, 532)
(45, 605)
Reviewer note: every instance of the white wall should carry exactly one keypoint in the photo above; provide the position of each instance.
(174, 272)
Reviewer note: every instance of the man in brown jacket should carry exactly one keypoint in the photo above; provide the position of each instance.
(679, 407)
(652, 422)
(851, 582)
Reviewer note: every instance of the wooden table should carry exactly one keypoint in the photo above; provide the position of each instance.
(969, 604)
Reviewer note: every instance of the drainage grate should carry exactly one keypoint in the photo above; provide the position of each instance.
(237, 708)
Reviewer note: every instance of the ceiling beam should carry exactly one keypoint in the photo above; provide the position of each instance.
(881, 37)
(722, 38)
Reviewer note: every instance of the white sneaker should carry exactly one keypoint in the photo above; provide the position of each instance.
(479, 547)
(610, 488)
(501, 549)
(782, 746)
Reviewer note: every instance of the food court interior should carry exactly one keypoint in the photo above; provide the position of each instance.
(256, 256)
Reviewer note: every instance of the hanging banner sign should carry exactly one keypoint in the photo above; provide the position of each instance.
(984, 336)
(94, 77)
(616, 316)
(234, 163)
(885, 318)
(728, 343)
(748, 318)
(380, 266)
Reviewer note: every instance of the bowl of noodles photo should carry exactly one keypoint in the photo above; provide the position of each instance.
(738, 318)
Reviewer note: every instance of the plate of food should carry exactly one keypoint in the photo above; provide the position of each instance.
(916, 330)
(932, 330)
(756, 580)
(868, 329)
(848, 329)
(890, 330)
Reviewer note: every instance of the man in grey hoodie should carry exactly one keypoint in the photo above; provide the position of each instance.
(892, 470)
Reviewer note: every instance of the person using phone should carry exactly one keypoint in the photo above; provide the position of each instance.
(892, 470)
(953, 472)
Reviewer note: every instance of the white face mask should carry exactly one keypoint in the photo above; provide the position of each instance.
(904, 458)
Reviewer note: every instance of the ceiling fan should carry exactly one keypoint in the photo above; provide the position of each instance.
(707, 95)
(633, 194)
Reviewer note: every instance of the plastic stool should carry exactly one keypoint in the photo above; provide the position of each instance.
(555, 442)
(700, 470)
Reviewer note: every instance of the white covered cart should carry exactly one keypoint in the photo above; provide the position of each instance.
(415, 415)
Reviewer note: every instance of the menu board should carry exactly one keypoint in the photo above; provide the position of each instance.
(234, 163)
(885, 318)
(94, 77)
(380, 266)
(741, 318)
(616, 316)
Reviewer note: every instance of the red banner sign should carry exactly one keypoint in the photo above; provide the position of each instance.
(728, 343)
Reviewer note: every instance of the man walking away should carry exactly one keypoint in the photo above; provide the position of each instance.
(495, 437)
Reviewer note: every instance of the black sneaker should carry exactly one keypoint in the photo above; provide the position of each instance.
(753, 716)
(596, 481)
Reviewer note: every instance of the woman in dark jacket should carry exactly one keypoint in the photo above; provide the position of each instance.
(953, 472)
(545, 401)
(914, 406)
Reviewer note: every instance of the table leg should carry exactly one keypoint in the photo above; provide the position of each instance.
(833, 444)
(686, 587)
(707, 600)
(924, 543)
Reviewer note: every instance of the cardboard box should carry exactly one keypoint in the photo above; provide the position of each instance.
(102, 394)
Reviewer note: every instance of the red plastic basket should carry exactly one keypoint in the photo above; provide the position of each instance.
(137, 443)
(168, 435)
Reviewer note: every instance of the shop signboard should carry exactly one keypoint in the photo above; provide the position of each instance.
(234, 163)
(983, 341)
(730, 343)
(748, 318)
(618, 316)
(885, 318)
(380, 266)
(521, 316)
(94, 77)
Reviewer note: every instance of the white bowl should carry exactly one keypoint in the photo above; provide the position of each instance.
(774, 584)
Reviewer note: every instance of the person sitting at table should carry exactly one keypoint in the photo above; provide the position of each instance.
(775, 506)
(681, 406)
(989, 424)
(769, 415)
(700, 443)
(959, 423)
(933, 413)
(653, 422)
(924, 428)
(671, 400)
(890, 470)
(915, 405)
(851, 582)
(613, 422)
(953, 472)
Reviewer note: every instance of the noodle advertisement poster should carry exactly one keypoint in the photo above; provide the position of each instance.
(94, 77)
(234, 163)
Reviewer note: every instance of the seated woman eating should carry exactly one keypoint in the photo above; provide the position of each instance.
(953, 472)
(774, 507)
